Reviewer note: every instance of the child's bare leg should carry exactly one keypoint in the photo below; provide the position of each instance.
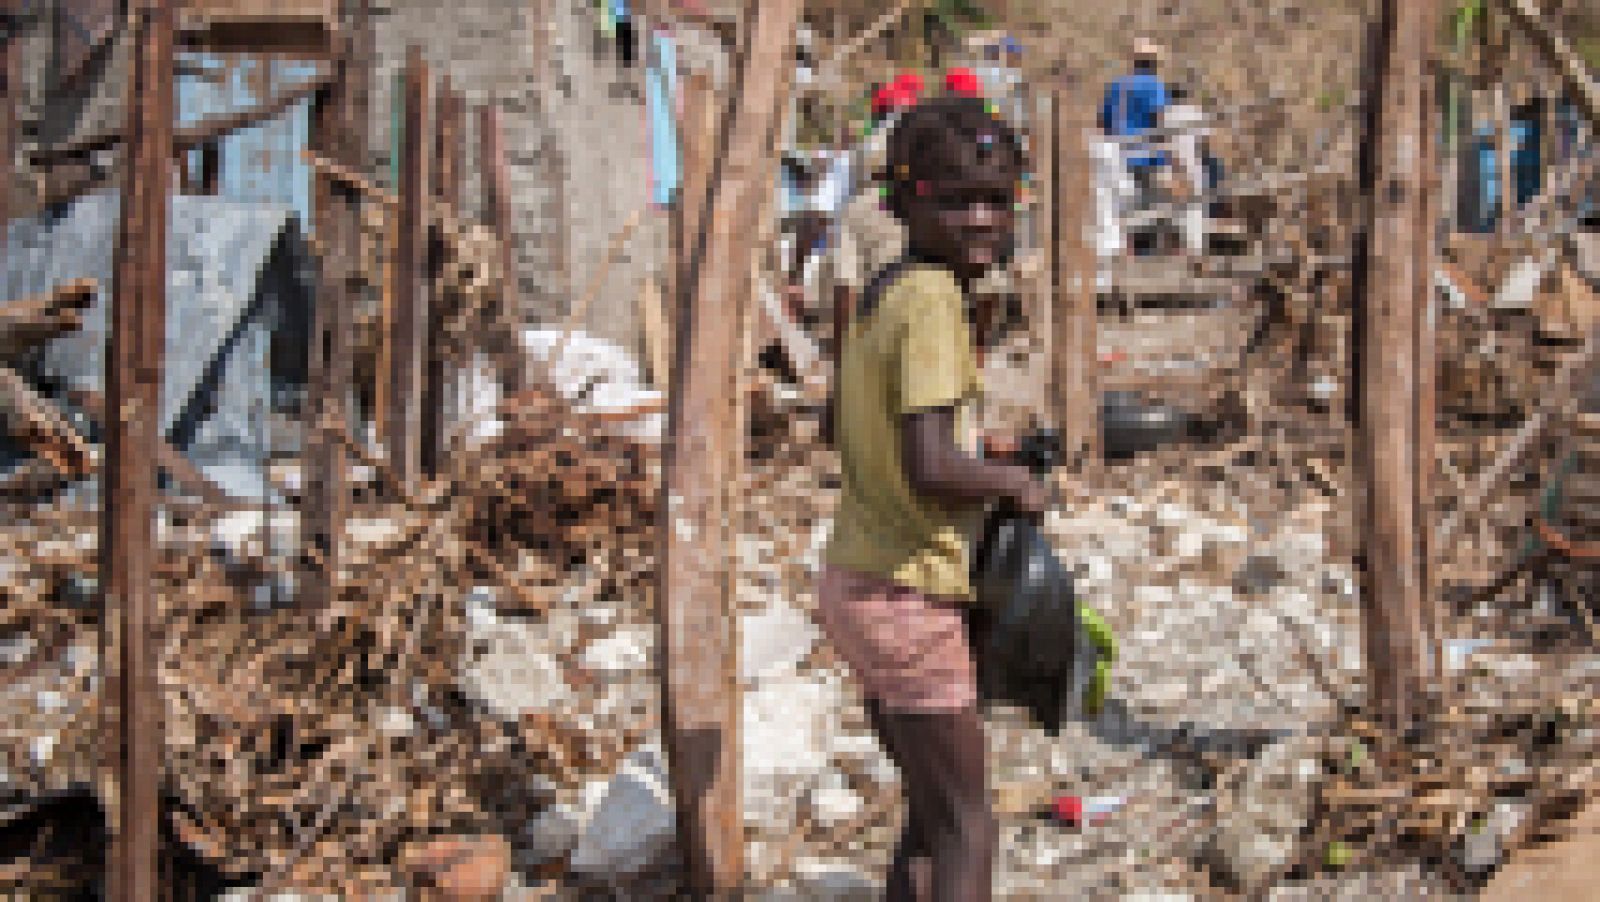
(943, 763)
(911, 869)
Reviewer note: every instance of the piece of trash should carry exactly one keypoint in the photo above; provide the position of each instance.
(1338, 854)
(1076, 810)
(1357, 754)
(1457, 651)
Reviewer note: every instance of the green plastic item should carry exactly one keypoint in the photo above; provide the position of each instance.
(1105, 646)
(1338, 854)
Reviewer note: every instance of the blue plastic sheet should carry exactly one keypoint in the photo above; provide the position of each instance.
(661, 90)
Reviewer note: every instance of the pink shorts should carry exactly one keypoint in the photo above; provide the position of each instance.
(907, 649)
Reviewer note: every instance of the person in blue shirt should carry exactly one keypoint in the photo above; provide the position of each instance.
(1133, 103)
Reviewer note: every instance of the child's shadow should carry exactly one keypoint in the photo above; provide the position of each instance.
(1187, 743)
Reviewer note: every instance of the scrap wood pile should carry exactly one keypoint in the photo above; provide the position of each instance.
(1508, 755)
(307, 751)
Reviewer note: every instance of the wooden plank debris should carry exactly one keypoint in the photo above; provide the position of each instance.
(1075, 316)
(1392, 617)
(135, 346)
(408, 321)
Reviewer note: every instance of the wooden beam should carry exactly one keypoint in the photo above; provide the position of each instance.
(408, 323)
(1426, 344)
(1387, 436)
(334, 132)
(700, 700)
(448, 149)
(1075, 390)
(135, 345)
(504, 347)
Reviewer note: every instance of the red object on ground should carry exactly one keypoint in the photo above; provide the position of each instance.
(1068, 809)
(963, 82)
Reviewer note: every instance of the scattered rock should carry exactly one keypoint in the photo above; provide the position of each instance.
(832, 801)
(774, 641)
(1259, 574)
(1260, 825)
(624, 651)
(633, 824)
(549, 836)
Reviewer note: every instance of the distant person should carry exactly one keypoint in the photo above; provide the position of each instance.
(1133, 106)
(1189, 172)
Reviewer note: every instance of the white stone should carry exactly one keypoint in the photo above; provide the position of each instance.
(1260, 830)
(633, 825)
(623, 652)
(774, 640)
(513, 673)
(371, 530)
(788, 721)
(42, 748)
(832, 801)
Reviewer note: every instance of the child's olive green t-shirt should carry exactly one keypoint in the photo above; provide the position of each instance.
(912, 352)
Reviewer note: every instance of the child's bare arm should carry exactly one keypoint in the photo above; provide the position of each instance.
(935, 466)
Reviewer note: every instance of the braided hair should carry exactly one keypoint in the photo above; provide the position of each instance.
(946, 137)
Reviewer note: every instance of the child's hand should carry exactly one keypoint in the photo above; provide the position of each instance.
(1034, 497)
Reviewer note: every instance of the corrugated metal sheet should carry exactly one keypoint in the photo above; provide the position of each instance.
(234, 273)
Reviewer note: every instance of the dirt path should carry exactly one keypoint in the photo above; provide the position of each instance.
(1567, 869)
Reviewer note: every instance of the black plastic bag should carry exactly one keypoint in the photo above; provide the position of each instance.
(1025, 633)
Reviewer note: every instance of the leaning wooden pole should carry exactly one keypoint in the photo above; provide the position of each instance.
(496, 185)
(133, 363)
(1074, 320)
(1392, 597)
(335, 133)
(698, 649)
(408, 321)
(446, 191)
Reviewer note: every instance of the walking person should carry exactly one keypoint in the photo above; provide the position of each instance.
(894, 593)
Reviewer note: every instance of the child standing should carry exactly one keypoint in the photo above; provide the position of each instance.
(894, 589)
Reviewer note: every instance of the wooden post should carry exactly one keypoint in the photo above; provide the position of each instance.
(336, 130)
(1427, 332)
(496, 182)
(700, 700)
(1076, 394)
(135, 345)
(1042, 148)
(698, 133)
(10, 84)
(1387, 437)
(409, 321)
(446, 190)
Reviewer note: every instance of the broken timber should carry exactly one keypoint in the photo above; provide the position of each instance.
(700, 700)
(1387, 442)
(407, 325)
(134, 350)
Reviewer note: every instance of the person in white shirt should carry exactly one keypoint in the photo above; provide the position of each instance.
(1189, 171)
